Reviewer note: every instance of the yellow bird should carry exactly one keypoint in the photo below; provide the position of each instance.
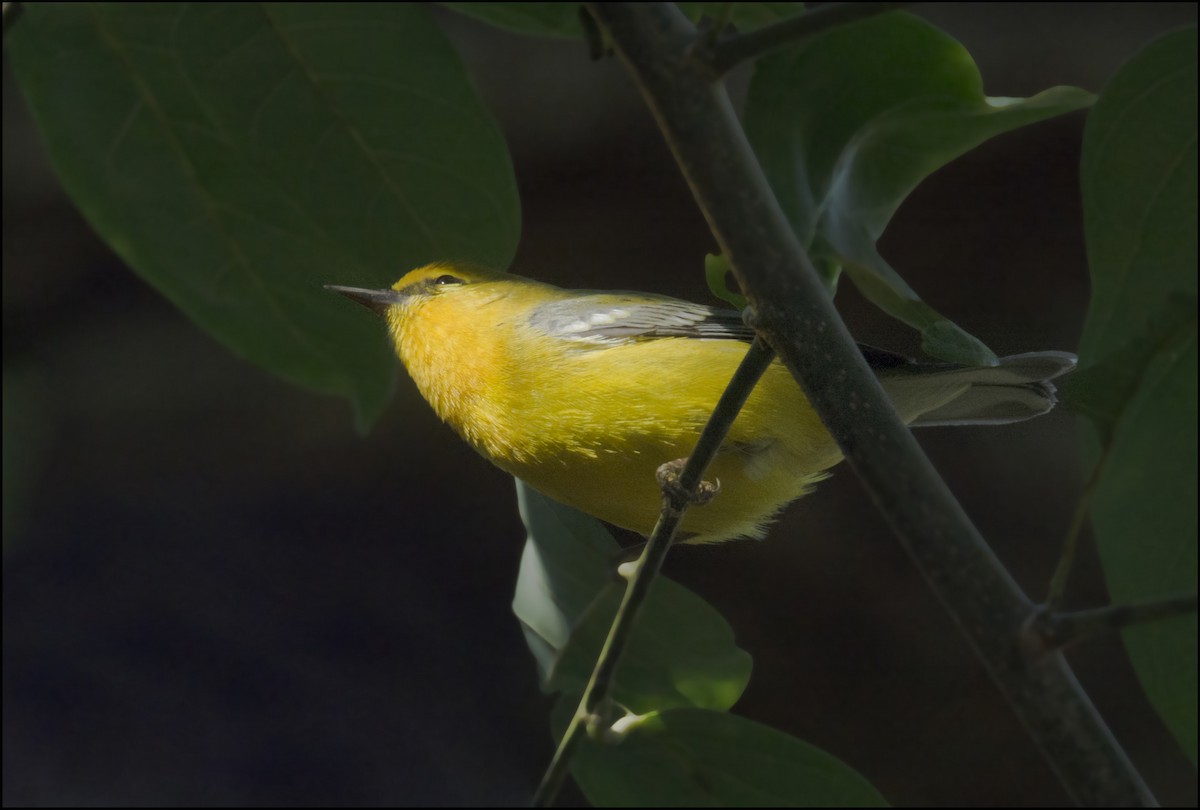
(583, 394)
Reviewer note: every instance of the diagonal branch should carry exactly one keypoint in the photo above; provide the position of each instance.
(678, 494)
(797, 317)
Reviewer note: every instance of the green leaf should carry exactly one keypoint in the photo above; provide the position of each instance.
(842, 155)
(1138, 168)
(240, 155)
(1139, 178)
(1105, 392)
(681, 653)
(702, 758)
(566, 563)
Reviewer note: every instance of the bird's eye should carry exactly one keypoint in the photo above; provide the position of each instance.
(440, 280)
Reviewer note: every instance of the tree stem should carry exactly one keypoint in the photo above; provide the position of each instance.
(796, 316)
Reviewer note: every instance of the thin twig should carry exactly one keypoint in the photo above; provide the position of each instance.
(1055, 630)
(797, 317)
(677, 495)
(1066, 560)
(731, 51)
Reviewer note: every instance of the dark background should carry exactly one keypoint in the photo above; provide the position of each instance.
(216, 592)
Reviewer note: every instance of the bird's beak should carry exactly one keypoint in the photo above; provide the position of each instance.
(375, 300)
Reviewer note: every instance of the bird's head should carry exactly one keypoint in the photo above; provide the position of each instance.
(418, 287)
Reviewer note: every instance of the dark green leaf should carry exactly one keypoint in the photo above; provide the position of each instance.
(702, 758)
(566, 563)
(682, 652)
(842, 155)
(240, 155)
(1138, 173)
(1139, 176)
(1105, 391)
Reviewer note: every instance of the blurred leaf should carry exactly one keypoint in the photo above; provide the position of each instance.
(703, 758)
(240, 155)
(843, 154)
(1139, 177)
(681, 653)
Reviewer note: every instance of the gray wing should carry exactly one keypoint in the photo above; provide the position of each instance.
(616, 318)
(611, 318)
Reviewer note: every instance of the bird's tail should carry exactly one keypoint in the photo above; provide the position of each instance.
(1018, 388)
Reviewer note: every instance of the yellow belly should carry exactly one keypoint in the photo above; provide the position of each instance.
(628, 417)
